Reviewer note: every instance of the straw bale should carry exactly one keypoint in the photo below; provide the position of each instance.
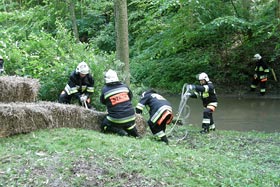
(18, 89)
(16, 118)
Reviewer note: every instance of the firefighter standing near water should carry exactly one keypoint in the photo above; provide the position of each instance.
(160, 111)
(121, 114)
(260, 75)
(80, 86)
(207, 93)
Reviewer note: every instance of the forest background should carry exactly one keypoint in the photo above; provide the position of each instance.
(170, 42)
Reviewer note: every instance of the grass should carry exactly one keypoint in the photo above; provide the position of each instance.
(77, 157)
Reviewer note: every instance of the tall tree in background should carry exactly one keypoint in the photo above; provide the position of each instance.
(71, 6)
(278, 9)
(121, 27)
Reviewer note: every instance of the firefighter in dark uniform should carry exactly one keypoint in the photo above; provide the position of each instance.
(260, 76)
(80, 86)
(1, 64)
(207, 93)
(160, 112)
(121, 114)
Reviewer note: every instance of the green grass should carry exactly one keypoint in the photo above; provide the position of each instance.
(77, 157)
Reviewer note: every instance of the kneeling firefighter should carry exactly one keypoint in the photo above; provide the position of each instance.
(160, 111)
(121, 114)
(80, 86)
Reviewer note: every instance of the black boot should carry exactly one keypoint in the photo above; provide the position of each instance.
(133, 132)
(116, 130)
(205, 128)
(164, 139)
(204, 131)
(212, 127)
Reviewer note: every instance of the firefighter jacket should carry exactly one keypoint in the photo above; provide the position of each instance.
(207, 93)
(117, 97)
(261, 70)
(156, 103)
(79, 85)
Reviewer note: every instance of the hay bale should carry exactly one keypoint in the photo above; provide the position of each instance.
(18, 89)
(19, 118)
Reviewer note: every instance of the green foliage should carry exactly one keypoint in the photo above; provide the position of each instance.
(166, 34)
(170, 41)
(49, 58)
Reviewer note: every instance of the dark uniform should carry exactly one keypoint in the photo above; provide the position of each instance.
(208, 95)
(160, 111)
(121, 114)
(260, 76)
(76, 87)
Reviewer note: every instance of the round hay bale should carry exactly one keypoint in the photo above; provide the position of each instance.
(18, 89)
(19, 118)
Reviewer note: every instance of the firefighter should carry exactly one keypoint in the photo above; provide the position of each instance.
(121, 114)
(80, 86)
(260, 76)
(1, 64)
(207, 93)
(160, 112)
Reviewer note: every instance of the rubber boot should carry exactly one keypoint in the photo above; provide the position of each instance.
(133, 132)
(116, 130)
(212, 127)
(164, 139)
(205, 129)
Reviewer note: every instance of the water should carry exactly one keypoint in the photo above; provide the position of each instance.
(259, 114)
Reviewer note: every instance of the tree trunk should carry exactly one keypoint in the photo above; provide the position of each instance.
(121, 27)
(73, 19)
(278, 9)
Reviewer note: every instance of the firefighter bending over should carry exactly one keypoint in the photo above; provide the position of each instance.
(160, 111)
(260, 76)
(207, 93)
(80, 86)
(121, 114)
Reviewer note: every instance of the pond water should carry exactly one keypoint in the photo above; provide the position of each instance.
(241, 114)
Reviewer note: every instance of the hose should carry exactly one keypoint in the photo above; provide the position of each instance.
(184, 109)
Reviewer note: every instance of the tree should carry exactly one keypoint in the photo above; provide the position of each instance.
(73, 19)
(121, 27)
(278, 9)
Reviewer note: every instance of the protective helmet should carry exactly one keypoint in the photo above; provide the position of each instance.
(203, 76)
(82, 68)
(147, 92)
(257, 57)
(111, 76)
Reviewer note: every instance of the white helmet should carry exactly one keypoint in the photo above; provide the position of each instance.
(257, 57)
(203, 76)
(111, 76)
(82, 68)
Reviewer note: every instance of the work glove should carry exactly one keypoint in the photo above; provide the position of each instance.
(191, 87)
(138, 111)
(83, 98)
